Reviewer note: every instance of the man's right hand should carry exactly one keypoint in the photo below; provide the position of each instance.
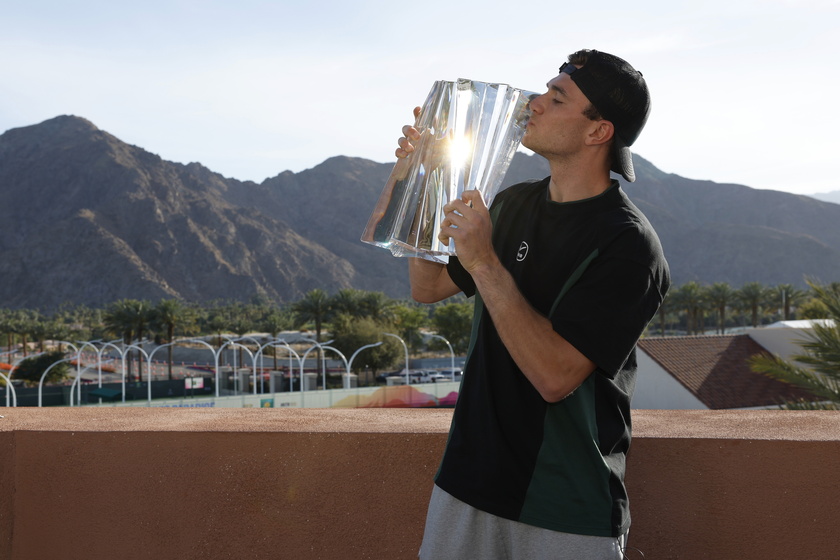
(410, 134)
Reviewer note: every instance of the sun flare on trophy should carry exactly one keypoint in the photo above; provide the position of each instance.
(460, 148)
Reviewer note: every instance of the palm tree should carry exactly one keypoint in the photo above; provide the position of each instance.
(243, 320)
(753, 296)
(273, 322)
(790, 297)
(169, 314)
(313, 308)
(813, 308)
(28, 326)
(720, 296)
(7, 326)
(690, 298)
(347, 302)
(129, 318)
(217, 320)
(821, 353)
(378, 306)
(118, 320)
(141, 311)
(41, 329)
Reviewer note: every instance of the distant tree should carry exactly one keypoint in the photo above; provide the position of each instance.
(359, 303)
(274, 322)
(788, 297)
(313, 308)
(78, 322)
(244, 319)
(129, 318)
(7, 326)
(378, 306)
(453, 321)
(820, 359)
(25, 324)
(214, 321)
(351, 333)
(408, 320)
(31, 369)
(690, 298)
(169, 315)
(346, 302)
(720, 296)
(38, 329)
(753, 296)
(812, 307)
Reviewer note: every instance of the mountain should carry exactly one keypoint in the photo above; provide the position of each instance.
(833, 196)
(714, 232)
(86, 218)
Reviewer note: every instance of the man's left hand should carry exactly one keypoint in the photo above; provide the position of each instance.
(468, 223)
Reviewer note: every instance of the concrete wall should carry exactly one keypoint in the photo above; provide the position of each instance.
(104, 483)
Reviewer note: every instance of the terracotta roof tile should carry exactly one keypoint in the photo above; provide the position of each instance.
(715, 370)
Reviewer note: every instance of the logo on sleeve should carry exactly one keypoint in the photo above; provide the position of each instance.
(523, 252)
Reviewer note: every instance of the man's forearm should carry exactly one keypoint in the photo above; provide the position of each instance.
(430, 282)
(553, 366)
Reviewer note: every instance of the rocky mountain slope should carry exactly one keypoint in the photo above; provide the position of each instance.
(86, 218)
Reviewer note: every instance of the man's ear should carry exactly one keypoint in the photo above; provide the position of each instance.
(601, 133)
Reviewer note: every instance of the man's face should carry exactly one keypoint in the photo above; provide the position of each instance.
(558, 126)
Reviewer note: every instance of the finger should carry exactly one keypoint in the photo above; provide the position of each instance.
(417, 112)
(405, 144)
(411, 132)
(457, 206)
(473, 198)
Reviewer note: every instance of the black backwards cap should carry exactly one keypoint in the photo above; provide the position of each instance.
(620, 95)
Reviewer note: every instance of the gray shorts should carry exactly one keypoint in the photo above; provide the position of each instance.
(457, 531)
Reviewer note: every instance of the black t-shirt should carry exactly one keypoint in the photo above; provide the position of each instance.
(596, 269)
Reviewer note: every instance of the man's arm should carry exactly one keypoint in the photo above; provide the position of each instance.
(430, 282)
(553, 366)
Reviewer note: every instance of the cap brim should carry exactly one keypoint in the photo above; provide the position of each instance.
(623, 161)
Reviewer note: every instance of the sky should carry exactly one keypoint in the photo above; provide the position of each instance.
(742, 92)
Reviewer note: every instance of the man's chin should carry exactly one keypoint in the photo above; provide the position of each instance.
(533, 146)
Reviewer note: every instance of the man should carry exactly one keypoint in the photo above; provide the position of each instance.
(567, 273)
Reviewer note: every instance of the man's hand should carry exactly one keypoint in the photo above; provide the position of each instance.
(410, 134)
(468, 222)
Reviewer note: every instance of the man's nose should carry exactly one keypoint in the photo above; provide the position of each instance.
(536, 103)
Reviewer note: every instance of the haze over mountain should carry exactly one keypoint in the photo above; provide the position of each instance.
(86, 218)
(833, 196)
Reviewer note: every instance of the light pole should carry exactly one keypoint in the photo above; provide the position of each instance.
(274, 343)
(99, 352)
(44, 375)
(139, 348)
(407, 378)
(451, 354)
(315, 344)
(233, 344)
(353, 357)
(343, 359)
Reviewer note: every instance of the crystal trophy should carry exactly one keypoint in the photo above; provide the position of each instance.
(469, 133)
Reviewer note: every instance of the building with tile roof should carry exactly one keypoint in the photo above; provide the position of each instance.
(712, 372)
